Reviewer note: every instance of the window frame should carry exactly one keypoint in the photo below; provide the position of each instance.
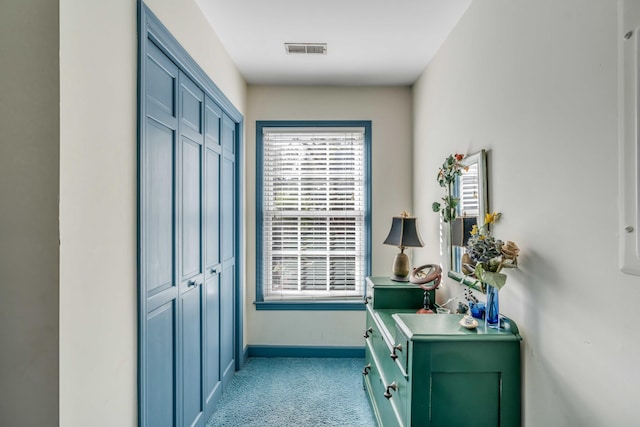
(301, 304)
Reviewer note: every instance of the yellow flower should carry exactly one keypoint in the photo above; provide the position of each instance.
(491, 218)
(474, 230)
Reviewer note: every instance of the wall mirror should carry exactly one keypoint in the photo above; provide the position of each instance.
(471, 188)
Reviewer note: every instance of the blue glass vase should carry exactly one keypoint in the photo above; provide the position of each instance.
(492, 311)
(477, 309)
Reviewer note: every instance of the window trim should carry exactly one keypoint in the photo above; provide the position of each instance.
(337, 305)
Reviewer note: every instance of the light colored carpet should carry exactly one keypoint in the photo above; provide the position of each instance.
(292, 392)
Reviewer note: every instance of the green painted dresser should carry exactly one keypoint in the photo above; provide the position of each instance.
(427, 370)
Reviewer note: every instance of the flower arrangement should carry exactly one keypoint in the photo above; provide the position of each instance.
(450, 170)
(490, 255)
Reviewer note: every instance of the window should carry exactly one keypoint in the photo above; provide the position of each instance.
(313, 216)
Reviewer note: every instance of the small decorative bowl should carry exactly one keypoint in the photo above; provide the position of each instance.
(468, 322)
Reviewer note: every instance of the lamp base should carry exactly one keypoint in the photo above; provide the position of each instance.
(400, 269)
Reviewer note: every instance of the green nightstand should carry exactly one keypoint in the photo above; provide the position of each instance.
(427, 370)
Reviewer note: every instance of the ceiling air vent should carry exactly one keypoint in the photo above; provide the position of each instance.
(306, 48)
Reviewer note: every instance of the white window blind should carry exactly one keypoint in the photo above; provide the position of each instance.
(313, 213)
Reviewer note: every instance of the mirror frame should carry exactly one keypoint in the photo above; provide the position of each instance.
(483, 207)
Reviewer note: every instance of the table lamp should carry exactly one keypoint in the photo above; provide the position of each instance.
(403, 234)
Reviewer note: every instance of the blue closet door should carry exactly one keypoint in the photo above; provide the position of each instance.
(158, 275)
(159, 281)
(213, 150)
(187, 236)
(191, 111)
(228, 250)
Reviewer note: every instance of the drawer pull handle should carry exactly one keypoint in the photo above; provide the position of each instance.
(192, 283)
(393, 354)
(367, 332)
(366, 369)
(393, 386)
(366, 300)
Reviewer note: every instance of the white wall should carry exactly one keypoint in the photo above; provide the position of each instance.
(29, 171)
(188, 25)
(389, 109)
(535, 83)
(98, 290)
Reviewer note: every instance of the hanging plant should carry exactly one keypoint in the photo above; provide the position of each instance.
(450, 170)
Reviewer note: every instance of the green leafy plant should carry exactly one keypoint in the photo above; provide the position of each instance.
(450, 170)
(491, 255)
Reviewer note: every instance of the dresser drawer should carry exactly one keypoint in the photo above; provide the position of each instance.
(402, 346)
(387, 389)
(389, 386)
(385, 293)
